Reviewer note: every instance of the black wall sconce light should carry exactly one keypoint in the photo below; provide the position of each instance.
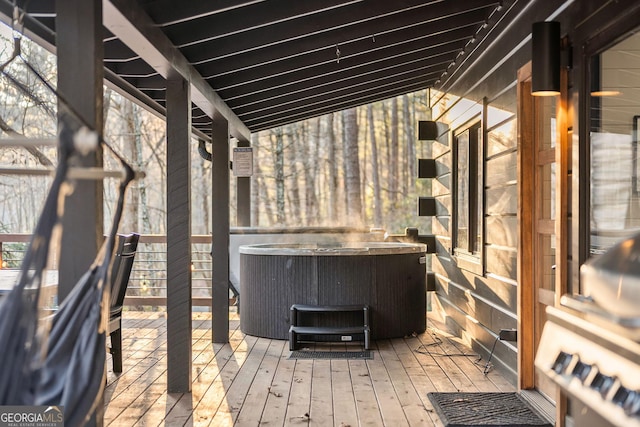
(545, 58)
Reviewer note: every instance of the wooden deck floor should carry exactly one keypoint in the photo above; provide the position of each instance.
(251, 381)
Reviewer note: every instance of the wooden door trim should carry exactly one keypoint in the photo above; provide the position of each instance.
(525, 275)
(563, 159)
(526, 164)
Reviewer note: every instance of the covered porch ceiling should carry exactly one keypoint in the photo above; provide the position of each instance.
(263, 64)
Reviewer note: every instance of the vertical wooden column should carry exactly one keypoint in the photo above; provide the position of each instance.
(178, 236)
(243, 196)
(80, 78)
(220, 229)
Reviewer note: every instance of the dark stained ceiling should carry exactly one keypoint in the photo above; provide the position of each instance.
(265, 63)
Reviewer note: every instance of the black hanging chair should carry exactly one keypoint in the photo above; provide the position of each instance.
(59, 359)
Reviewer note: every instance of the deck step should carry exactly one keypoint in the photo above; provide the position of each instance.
(328, 308)
(345, 332)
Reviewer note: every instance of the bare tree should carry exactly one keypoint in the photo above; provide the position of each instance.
(278, 155)
(311, 171)
(333, 170)
(130, 142)
(411, 141)
(352, 166)
(393, 166)
(291, 133)
(377, 199)
(257, 182)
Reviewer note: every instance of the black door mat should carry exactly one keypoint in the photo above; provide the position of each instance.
(349, 355)
(484, 409)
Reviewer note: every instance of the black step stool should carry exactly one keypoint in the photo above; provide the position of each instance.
(346, 331)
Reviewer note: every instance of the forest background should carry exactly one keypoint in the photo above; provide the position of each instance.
(356, 167)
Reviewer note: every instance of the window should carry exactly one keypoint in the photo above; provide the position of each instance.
(615, 168)
(468, 199)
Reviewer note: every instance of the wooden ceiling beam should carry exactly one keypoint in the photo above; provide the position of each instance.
(133, 26)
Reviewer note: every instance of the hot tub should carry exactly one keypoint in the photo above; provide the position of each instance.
(388, 277)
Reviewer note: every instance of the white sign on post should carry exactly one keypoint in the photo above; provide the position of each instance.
(242, 161)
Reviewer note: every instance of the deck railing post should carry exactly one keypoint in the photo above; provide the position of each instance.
(220, 229)
(178, 236)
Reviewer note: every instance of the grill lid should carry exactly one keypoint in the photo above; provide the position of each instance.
(613, 278)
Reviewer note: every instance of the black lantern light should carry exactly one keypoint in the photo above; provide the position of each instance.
(545, 58)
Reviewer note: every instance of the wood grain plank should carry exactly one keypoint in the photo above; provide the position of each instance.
(276, 406)
(256, 399)
(155, 378)
(344, 405)
(236, 391)
(188, 408)
(448, 365)
(418, 377)
(364, 394)
(299, 404)
(411, 404)
(390, 406)
(228, 366)
(321, 411)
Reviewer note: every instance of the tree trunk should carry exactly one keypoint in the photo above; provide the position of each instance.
(278, 153)
(311, 171)
(375, 176)
(352, 167)
(131, 141)
(333, 170)
(255, 185)
(394, 167)
(411, 141)
(292, 176)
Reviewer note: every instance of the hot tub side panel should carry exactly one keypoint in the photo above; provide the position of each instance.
(401, 296)
(345, 280)
(269, 286)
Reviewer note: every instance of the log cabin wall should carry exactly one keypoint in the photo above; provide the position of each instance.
(477, 285)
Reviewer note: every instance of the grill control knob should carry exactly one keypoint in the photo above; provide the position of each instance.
(621, 396)
(632, 404)
(602, 383)
(562, 362)
(581, 371)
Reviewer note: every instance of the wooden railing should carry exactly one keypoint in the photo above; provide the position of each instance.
(148, 282)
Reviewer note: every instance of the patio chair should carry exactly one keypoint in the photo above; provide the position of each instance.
(120, 272)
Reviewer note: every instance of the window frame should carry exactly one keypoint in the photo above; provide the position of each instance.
(469, 256)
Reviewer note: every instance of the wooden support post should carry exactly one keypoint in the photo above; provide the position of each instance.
(79, 49)
(243, 196)
(220, 229)
(178, 236)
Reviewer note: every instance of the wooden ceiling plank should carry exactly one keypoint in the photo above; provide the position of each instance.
(328, 29)
(400, 89)
(266, 106)
(259, 16)
(334, 73)
(274, 107)
(172, 12)
(259, 61)
(352, 63)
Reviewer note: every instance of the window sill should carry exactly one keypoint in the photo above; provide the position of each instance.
(469, 262)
